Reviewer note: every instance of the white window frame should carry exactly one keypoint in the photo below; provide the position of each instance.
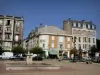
(68, 45)
(1, 21)
(52, 45)
(79, 24)
(92, 26)
(84, 25)
(74, 24)
(53, 38)
(74, 31)
(89, 26)
(68, 38)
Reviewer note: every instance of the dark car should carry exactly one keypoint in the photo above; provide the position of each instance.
(96, 60)
(17, 58)
(37, 58)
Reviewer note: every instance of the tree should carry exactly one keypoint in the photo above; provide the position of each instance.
(73, 51)
(93, 50)
(37, 50)
(98, 44)
(1, 50)
(18, 50)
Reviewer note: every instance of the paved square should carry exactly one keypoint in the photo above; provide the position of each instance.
(66, 69)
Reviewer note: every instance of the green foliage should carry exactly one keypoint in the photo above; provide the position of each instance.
(36, 50)
(98, 44)
(93, 50)
(73, 51)
(18, 50)
(1, 50)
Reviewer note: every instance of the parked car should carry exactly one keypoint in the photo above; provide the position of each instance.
(17, 58)
(96, 59)
(6, 55)
(37, 58)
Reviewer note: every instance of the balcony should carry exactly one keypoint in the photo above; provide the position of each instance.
(8, 39)
(8, 31)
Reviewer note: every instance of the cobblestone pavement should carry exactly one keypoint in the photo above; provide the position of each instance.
(66, 69)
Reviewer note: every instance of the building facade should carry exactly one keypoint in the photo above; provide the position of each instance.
(85, 33)
(11, 31)
(50, 38)
(75, 34)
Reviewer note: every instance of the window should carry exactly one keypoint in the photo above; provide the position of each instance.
(7, 36)
(79, 31)
(92, 26)
(8, 22)
(8, 28)
(74, 24)
(93, 33)
(79, 45)
(68, 46)
(0, 28)
(52, 41)
(1, 22)
(68, 38)
(89, 40)
(83, 46)
(93, 40)
(52, 45)
(85, 39)
(84, 25)
(43, 45)
(89, 46)
(79, 39)
(17, 29)
(79, 24)
(74, 31)
(88, 26)
(52, 37)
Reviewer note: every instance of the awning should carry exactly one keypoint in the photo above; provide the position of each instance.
(53, 52)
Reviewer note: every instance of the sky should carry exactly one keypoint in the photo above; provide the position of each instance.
(52, 12)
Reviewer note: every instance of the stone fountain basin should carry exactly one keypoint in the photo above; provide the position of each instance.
(33, 66)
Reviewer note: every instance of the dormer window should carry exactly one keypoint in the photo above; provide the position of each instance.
(8, 22)
(79, 24)
(92, 26)
(74, 24)
(88, 26)
(84, 25)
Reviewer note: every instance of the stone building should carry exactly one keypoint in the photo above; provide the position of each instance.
(51, 39)
(11, 31)
(85, 33)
